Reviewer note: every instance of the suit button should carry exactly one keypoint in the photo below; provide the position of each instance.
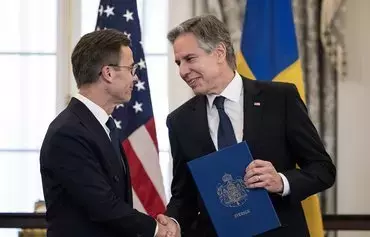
(116, 178)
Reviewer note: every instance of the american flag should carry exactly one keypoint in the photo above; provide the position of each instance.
(135, 119)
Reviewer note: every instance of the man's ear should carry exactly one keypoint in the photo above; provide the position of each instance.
(220, 51)
(106, 73)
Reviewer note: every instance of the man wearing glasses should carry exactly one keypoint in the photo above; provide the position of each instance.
(85, 174)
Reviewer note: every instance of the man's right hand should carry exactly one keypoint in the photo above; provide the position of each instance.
(167, 227)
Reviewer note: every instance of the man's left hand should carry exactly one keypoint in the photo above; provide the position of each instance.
(262, 174)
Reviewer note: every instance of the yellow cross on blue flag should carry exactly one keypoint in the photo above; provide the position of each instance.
(269, 51)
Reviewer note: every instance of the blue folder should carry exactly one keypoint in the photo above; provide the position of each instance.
(234, 209)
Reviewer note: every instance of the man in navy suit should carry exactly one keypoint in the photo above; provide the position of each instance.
(270, 116)
(85, 174)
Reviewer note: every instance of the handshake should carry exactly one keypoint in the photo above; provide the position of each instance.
(167, 227)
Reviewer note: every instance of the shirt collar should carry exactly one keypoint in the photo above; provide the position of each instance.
(95, 109)
(232, 91)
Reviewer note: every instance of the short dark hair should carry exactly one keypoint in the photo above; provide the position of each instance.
(93, 51)
(209, 32)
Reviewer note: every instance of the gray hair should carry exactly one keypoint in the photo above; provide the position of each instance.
(210, 32)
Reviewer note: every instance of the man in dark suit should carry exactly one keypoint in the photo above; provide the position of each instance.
(85, 174)
(270, 116)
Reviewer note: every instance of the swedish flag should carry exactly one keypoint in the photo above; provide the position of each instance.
(269, 51)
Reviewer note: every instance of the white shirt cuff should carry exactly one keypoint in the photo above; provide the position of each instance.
(175, 222)
(156, 230)
(286, 186)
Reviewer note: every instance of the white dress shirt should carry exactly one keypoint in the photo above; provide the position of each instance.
(234, 103)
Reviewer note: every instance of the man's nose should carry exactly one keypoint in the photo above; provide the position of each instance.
(184, 70)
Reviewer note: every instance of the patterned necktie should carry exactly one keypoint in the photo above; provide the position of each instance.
(225, 135)
(113, 133)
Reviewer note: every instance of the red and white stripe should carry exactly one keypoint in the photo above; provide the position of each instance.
(142, 154)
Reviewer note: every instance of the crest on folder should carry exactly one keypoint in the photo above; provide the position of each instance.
(232, 192)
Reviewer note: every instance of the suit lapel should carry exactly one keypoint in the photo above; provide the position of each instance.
(253, 110)
(253, 106)
(110, 161)
(200, 124)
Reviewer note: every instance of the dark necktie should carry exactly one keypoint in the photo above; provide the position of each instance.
(225, 135)
(114, 137)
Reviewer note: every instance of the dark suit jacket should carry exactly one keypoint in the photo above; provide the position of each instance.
(279, 131)
(86, 190)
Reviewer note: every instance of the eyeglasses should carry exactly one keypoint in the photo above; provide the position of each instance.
(132, 68)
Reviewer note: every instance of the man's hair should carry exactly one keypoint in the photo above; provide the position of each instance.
(93, 51)
(210, 32)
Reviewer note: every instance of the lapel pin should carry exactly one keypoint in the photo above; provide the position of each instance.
(257, 103)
